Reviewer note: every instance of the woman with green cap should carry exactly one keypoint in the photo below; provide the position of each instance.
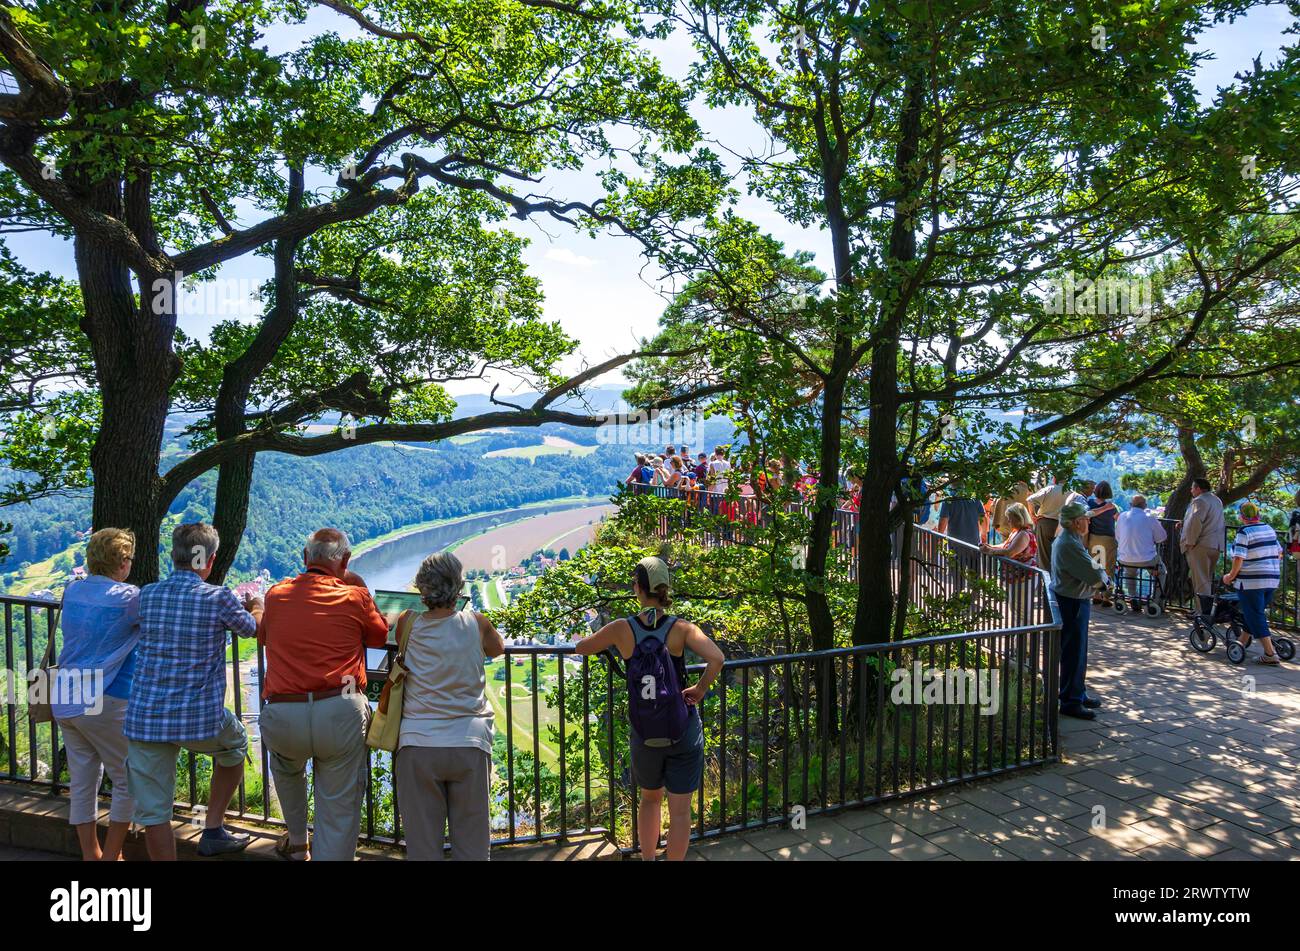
(1074, 578)
(1256, 571)
(648, 641)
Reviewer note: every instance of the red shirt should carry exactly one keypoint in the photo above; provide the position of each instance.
(315, 631)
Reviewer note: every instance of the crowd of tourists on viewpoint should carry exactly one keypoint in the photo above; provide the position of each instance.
(158, 656)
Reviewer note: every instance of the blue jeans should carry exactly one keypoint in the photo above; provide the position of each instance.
(1254, 604)
(1074, 648)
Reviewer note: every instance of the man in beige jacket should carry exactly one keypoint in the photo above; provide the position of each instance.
(1045, 505)
(1201, 536)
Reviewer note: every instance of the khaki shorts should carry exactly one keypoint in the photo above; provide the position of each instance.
(151, 768)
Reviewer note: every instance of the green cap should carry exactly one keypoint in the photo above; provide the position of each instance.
(1072, 510)
(656, 572)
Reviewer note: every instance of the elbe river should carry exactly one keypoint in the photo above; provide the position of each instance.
(392, 565)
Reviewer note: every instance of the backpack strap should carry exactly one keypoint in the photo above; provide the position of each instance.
(640, 630)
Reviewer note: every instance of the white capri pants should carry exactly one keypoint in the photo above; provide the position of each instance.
(95, 743)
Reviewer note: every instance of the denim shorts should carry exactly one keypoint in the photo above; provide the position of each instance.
(679, 767)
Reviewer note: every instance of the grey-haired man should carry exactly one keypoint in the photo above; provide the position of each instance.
(316, 630)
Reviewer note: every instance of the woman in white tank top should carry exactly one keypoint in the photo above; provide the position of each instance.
(444, 753)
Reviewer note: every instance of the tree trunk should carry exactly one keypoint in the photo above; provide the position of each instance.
(135, 368)
(1193, 468)
(820, 622)
(874, 614)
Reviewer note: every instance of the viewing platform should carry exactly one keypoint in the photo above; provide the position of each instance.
(818, 755)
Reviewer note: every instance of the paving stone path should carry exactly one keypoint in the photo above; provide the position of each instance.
(1188, 759)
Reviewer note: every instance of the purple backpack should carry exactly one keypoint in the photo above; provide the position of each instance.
(658, 714)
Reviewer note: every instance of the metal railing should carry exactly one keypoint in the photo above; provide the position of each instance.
(802, 732)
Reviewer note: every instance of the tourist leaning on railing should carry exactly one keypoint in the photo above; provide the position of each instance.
(179, 691)
(666, 738)
(1074, 579)
(101, 626)
(1020, 545)
(1102, 513)
(444, 752)
(316, 629)
(1256, 571)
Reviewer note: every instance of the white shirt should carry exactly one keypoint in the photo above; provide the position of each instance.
(1137, 532)
(443, 702)
(720, 468)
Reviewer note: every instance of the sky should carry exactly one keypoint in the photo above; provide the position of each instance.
(602, 291)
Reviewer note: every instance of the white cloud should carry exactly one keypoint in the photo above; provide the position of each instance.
(565, 256)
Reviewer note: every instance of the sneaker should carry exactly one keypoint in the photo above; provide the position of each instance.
(221, 841)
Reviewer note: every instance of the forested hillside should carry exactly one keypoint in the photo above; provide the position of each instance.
(366, 491)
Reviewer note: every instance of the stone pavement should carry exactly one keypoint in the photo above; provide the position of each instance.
(1188, 759)
(10, 854)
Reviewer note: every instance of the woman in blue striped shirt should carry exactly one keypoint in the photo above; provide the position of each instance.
(1256, 571)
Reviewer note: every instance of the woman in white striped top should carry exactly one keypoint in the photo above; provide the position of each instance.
(1256, 571)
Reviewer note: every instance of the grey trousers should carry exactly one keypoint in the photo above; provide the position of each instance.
(1045, 534)
(1131, 576)
(331, 734)
(440, 786)
(1201, 562)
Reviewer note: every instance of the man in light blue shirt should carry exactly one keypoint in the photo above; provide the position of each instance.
(1137, 533)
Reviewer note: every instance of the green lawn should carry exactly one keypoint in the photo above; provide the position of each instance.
(491, 591)
(522, 708)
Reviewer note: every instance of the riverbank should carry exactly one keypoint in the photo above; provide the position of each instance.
(407, 530)
(391, 564)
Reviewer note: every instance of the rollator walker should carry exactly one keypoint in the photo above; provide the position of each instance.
(1225, 621)
(1148, 591)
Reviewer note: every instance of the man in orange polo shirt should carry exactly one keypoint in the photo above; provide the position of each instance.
(316, 629)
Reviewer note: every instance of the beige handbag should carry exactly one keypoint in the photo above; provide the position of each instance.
(40, 683)
(386, 725)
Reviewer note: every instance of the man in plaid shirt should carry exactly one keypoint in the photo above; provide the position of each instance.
(179, 692)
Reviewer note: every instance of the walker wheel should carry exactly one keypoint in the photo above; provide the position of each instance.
(1236, 653)
(1120, 605)
(1285, 648)
(1154, 609)
(1202, 637)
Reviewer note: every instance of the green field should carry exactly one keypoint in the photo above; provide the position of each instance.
(491, 594)
(522, 705)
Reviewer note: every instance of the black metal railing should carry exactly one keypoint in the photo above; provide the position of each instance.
(798, 733)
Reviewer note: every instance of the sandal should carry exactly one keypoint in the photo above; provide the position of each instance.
(1268, 660)
(287, 850)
